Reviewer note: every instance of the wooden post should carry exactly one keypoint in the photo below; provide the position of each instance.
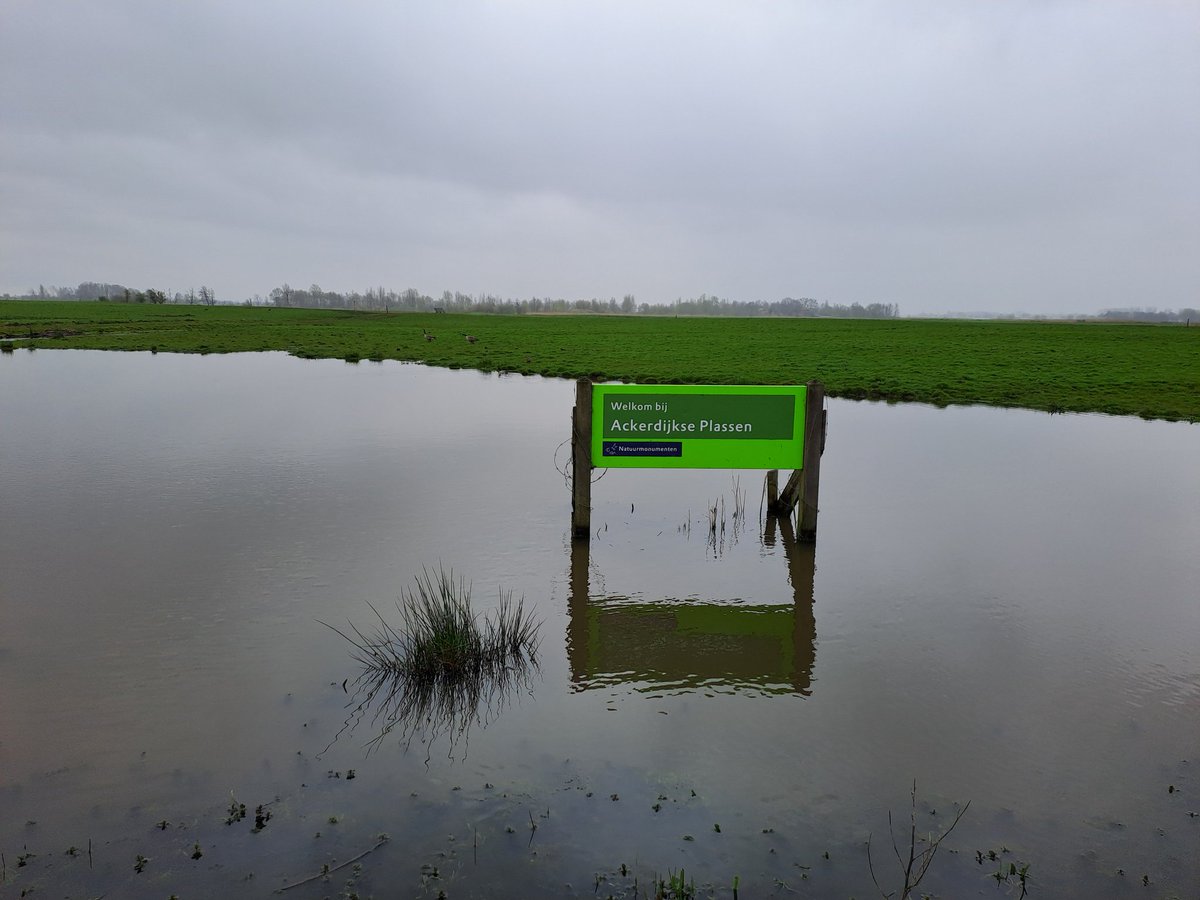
(802, 486)
(581, 460)
(814, 446)
(772, 487)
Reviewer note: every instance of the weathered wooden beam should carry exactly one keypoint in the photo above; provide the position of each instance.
(790, 494)
(772, 488)
(803, 484)
(810, 480)
(581, 460)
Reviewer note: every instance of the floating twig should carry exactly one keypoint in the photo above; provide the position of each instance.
(330, 871)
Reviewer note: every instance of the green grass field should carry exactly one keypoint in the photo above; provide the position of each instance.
(1124, 369)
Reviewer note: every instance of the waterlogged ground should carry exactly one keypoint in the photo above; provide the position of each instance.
(1002, 606)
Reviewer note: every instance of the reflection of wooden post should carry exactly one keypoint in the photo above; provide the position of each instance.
(802, 486)
(769, 529)
(581, 460)
(801, 563)
(578, 624)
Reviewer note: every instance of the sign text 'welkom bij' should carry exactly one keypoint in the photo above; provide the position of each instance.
(698, 426)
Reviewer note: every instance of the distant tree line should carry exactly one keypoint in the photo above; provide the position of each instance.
(455, 301)
(1150, 314)
(412, 300)
(705, 305)
(119, 293)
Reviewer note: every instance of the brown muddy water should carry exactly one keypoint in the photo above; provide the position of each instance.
(1003, 606)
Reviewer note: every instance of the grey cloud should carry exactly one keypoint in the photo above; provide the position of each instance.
(762, 149)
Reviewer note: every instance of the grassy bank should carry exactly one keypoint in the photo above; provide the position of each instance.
(1124, 369)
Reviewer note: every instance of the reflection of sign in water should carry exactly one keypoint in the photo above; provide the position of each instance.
(672, 646)
(695, 646)
(698, 426)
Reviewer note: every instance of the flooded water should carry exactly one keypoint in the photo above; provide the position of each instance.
(1002, 606)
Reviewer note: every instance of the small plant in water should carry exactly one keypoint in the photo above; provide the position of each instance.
(237, 811)
(261, 817)
(919, 858)
(441, 665)
(675, 887)
(1019, 877)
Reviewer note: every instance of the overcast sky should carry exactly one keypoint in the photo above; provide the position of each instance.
(1032, 155)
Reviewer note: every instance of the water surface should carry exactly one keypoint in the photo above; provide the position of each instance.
(1001, 605)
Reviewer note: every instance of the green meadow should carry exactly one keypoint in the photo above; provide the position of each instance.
(1151, 371)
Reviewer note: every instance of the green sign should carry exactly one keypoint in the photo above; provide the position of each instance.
(698, 426)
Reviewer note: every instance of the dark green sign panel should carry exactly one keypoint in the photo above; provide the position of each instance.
(698, 426)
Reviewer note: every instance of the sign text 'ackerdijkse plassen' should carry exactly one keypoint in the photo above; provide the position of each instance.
(698, 426)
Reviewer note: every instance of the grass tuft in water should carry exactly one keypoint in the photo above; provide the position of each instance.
(441, 666)
(675, 887)
(440, 638)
